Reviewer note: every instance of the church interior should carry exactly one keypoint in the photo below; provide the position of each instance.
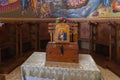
(59, 40)
(19, 40)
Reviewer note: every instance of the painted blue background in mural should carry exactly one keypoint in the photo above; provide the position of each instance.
(59, 8)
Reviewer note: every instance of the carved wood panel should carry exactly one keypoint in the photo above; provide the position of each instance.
(84, 31)
(3, 36)
(118, 44)
(103, 33)
(85, 36)
(43, 31)
(25, 32)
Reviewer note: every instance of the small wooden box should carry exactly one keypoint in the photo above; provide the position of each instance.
(70, 52)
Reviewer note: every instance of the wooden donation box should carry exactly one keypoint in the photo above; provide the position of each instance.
(62, 47)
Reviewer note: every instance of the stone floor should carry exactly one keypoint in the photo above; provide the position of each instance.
(107, 75)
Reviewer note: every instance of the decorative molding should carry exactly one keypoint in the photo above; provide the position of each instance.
(54, 19)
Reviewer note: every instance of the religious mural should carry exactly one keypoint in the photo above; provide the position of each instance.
(59, 8)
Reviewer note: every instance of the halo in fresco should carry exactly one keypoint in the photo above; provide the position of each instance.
(59, 8)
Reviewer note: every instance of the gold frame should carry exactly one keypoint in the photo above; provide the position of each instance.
(65, 29)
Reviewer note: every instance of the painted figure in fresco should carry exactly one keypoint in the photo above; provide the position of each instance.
(69, 2)
(34, 5)
(9, 5)
(3, 2)
(82, 12)
(11, 1)
(116, 6)
(62, 35)
(75, 3)
(24, 6)
(107, 4)
(44, 10)
(7, 2)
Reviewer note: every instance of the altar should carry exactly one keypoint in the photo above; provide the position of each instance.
(37, 68)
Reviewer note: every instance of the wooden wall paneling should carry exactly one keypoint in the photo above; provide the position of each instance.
(85, 36)
(8, 41)
(25, 39)
(0, 57)
(90, 40)
(118, 43)
(2, 40)
(13, 38)
(3, 35)
(113, 40)
(43, 31)
(36, 32)
(38, 41)
(20, 33)
(106, 36)
(84, 30)
(103, 33)
(44, 36)
(94, 33)
(34, 35)
(110, 44)
(17, 41)
(103, 38)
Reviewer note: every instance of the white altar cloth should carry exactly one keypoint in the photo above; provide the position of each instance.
(37, 68)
